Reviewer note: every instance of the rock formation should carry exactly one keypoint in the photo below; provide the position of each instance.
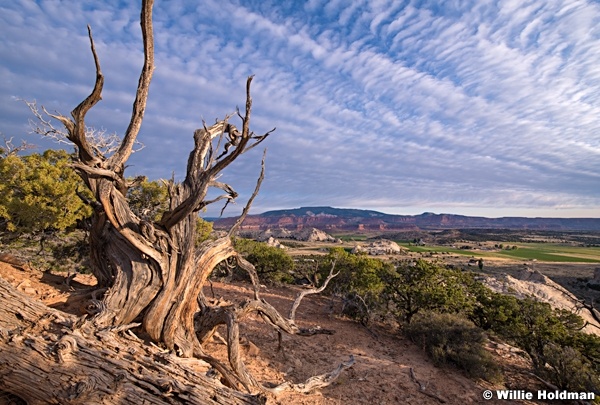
(380, 247)
(532, 283)
(304, 234)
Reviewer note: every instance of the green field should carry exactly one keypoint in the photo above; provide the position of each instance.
(550, 252)
(545, 252)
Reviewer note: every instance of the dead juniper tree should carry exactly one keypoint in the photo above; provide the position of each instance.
(152, 272)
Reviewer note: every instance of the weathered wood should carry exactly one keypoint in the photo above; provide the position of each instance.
(117, 161)
(151, 273)
(49, 357)
(423, 387)
(315, 290)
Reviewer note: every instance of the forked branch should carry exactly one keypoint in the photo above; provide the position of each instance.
(10, 149)
(301, 295)
(76, 128)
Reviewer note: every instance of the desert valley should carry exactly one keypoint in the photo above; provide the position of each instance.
(554, 264)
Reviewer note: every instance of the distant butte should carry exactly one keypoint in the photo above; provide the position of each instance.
(343, 219)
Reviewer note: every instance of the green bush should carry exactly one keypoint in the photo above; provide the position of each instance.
(415, 286)
(358, 273)
(569, 370)
(359, 282)
(272, 264)
(38, 193)
(451, 339)
(532, 325)
(559, 351)
(148, 199)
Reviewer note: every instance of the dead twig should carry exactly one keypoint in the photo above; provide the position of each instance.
(423, 387)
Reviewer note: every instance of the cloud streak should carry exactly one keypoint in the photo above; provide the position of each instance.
(486, 108)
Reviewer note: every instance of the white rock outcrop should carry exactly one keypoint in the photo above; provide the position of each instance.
(380, 247)
(534, 284)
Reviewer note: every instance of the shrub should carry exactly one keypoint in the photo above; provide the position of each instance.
(359, 282)
(569, 370)
(416, 286)
(552, 338)
(451, 339)
(38, 193)
(272, 264)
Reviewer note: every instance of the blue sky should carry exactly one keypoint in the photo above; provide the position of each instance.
(470, 107)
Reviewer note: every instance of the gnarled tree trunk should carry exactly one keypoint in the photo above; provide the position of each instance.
(151, 272)
(49, 357)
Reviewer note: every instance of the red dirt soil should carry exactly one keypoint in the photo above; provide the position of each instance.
(384, 358)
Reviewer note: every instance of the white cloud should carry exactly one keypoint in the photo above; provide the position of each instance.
(377, 104)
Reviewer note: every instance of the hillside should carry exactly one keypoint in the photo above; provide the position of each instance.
(389, 369)
(339, 219)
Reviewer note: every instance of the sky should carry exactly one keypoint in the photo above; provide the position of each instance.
(473, 107)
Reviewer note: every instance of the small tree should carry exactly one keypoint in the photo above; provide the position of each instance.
(359, 282)
(420, 285)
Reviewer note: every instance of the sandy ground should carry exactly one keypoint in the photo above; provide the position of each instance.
(384, 359)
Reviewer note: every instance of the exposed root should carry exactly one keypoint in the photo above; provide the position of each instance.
(229, 314)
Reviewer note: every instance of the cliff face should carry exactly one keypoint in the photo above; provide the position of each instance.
(331, 219)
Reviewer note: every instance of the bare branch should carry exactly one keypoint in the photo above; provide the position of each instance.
(101, 142)
(96, 172)
(423, 387)
(77, 128)
(258, 139)
(10, 149)
(244, 138)
(313, 383)
(141, 96)
(44, 127)
(249, 203)
(593, 311)
(246, 120)
(202, 145)
(251, 270)
(301, 295)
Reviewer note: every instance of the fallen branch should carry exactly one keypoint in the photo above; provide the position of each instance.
(315, 382)
(423, 387)
(52, 357)
(546, 383)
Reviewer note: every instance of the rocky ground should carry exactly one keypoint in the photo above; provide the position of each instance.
(388, 369)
